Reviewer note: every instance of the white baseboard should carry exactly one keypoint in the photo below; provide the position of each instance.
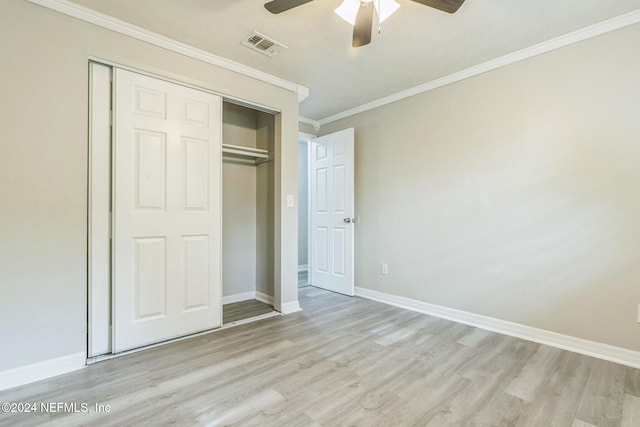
(230, 299)
(267, 299)
(608, 352)
(257, 295)
(42, 370)
(290, 307)
(303, 267)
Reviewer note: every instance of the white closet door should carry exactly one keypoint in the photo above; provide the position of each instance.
(99, 209)
(167, 218)
(332, 212)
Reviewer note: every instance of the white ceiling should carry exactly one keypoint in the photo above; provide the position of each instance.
(416, 45)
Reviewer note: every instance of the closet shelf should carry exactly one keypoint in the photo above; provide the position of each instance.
(239, 150)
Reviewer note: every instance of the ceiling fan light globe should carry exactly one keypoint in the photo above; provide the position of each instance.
(348, 10)
(385, 8)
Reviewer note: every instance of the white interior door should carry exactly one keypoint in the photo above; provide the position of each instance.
(332, 211)
(167, 220)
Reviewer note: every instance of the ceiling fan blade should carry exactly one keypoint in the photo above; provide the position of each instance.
(277, 6)
(450, 6)
(364, 23)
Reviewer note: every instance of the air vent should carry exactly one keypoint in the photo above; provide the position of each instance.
(263, 44)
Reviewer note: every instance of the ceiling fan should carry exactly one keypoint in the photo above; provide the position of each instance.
(359, 13)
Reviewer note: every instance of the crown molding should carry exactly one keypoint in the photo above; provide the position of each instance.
(110, 23)
(306, 120)
(302, 92)
(591, 31)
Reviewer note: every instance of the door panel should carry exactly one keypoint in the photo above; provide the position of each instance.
(321, 190)
(339, 241)
(322, 250)
(195, 113)
(150, 281)
(332, 201)
(150, 170)
(167, 176)
(150, 102)
(196, 173)
(196, 272)
(339, 187)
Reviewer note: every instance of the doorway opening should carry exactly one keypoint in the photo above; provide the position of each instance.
(304, 147)
(247, 212)
(327, 225)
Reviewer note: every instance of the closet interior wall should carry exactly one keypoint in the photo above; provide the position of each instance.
(248, 210)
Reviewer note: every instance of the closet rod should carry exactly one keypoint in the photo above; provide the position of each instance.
(244, 153)
(239, 150)
(244, 149)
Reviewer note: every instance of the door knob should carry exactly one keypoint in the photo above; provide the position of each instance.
(347, 220)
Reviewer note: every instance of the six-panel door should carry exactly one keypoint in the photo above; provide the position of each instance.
(332, 211)
(166, 175)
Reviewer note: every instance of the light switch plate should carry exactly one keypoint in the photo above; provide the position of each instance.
(290, 201)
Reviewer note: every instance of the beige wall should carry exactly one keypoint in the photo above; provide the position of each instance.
(239, 204)
(43, 170)
(514, 194)
(265, 242)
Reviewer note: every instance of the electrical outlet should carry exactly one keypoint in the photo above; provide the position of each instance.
(638, 313)
(384, 268)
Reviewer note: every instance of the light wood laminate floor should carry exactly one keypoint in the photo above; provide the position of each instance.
(344, 361)
(244, 310)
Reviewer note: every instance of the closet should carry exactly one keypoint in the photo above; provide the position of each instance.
(247, 214)
(181, 211)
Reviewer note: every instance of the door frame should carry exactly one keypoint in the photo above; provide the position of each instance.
(99, 211)
(307, 139)
(97, 161)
